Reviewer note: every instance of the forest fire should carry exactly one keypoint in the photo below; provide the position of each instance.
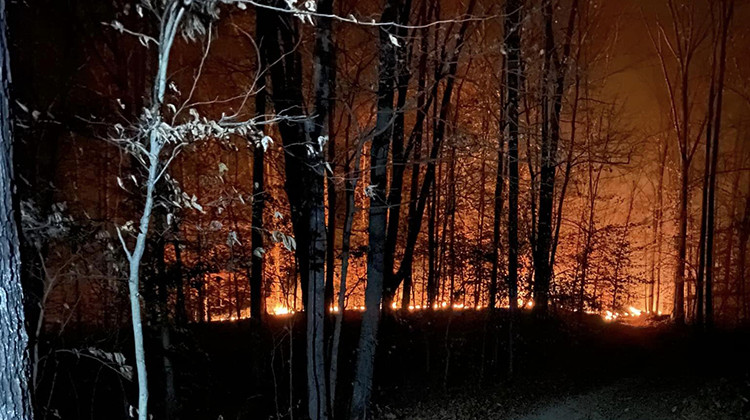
(280, 310)
(200, 189)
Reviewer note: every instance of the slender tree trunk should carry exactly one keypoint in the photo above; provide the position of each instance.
(415, 219)
(15, 398)
(513, 23)
(727, 10)
(172, 18)
(259, 193)
(417, 134)
(432, 245)
(497, 216)
(351, 185)
(378, 217)
(678, 310)
(395, 192)
(551, 109)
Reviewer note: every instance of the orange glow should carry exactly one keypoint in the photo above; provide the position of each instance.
(280, 310)
(634, 311)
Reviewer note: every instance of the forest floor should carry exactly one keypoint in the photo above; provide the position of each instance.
(622, 372)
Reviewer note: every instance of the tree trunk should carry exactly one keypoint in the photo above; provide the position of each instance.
(259, 193)
(15, 399)
(678, 309)
(727, 10)
(303, 144)
(415, 218)
(513, 21)
(378, 217)
(399, 157)
(173, 14)
(551, 95)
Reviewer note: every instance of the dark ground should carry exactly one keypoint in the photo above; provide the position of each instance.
(433, 366)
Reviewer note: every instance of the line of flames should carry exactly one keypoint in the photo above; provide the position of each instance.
(282, 310)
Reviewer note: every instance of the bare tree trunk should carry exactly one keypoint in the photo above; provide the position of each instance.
(351, 185)
(678, 310)
(171, 21)
(378, 216)
(552, 95)
(417, 135)
(727, 10)
(498, 212)
(660, 219)
(415, 218)
(395, 192)
(303, 144)
(513, 22)
(15, 399)
(259, 193)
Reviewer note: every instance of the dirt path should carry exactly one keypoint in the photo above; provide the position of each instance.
(647, 400)
(627, 399)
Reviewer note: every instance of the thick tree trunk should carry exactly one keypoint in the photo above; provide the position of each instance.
(15, 399)
(303, 144)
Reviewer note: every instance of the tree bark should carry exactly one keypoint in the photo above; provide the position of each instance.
(15, 398)
(513, 13)
(378, 216)
(259, 193)
(551, 95)
(727, 10)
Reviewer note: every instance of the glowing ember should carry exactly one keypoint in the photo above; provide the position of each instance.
(634, 311)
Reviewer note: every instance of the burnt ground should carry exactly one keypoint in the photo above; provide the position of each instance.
(430, 365)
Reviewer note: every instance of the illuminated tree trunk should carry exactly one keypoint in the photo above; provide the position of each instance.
(378, 216)
(351, 185)
(513, 13)
(303, 144)
(171, 19)
(259, 193)
(15, 399)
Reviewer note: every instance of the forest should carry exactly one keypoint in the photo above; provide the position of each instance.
(391, 209)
